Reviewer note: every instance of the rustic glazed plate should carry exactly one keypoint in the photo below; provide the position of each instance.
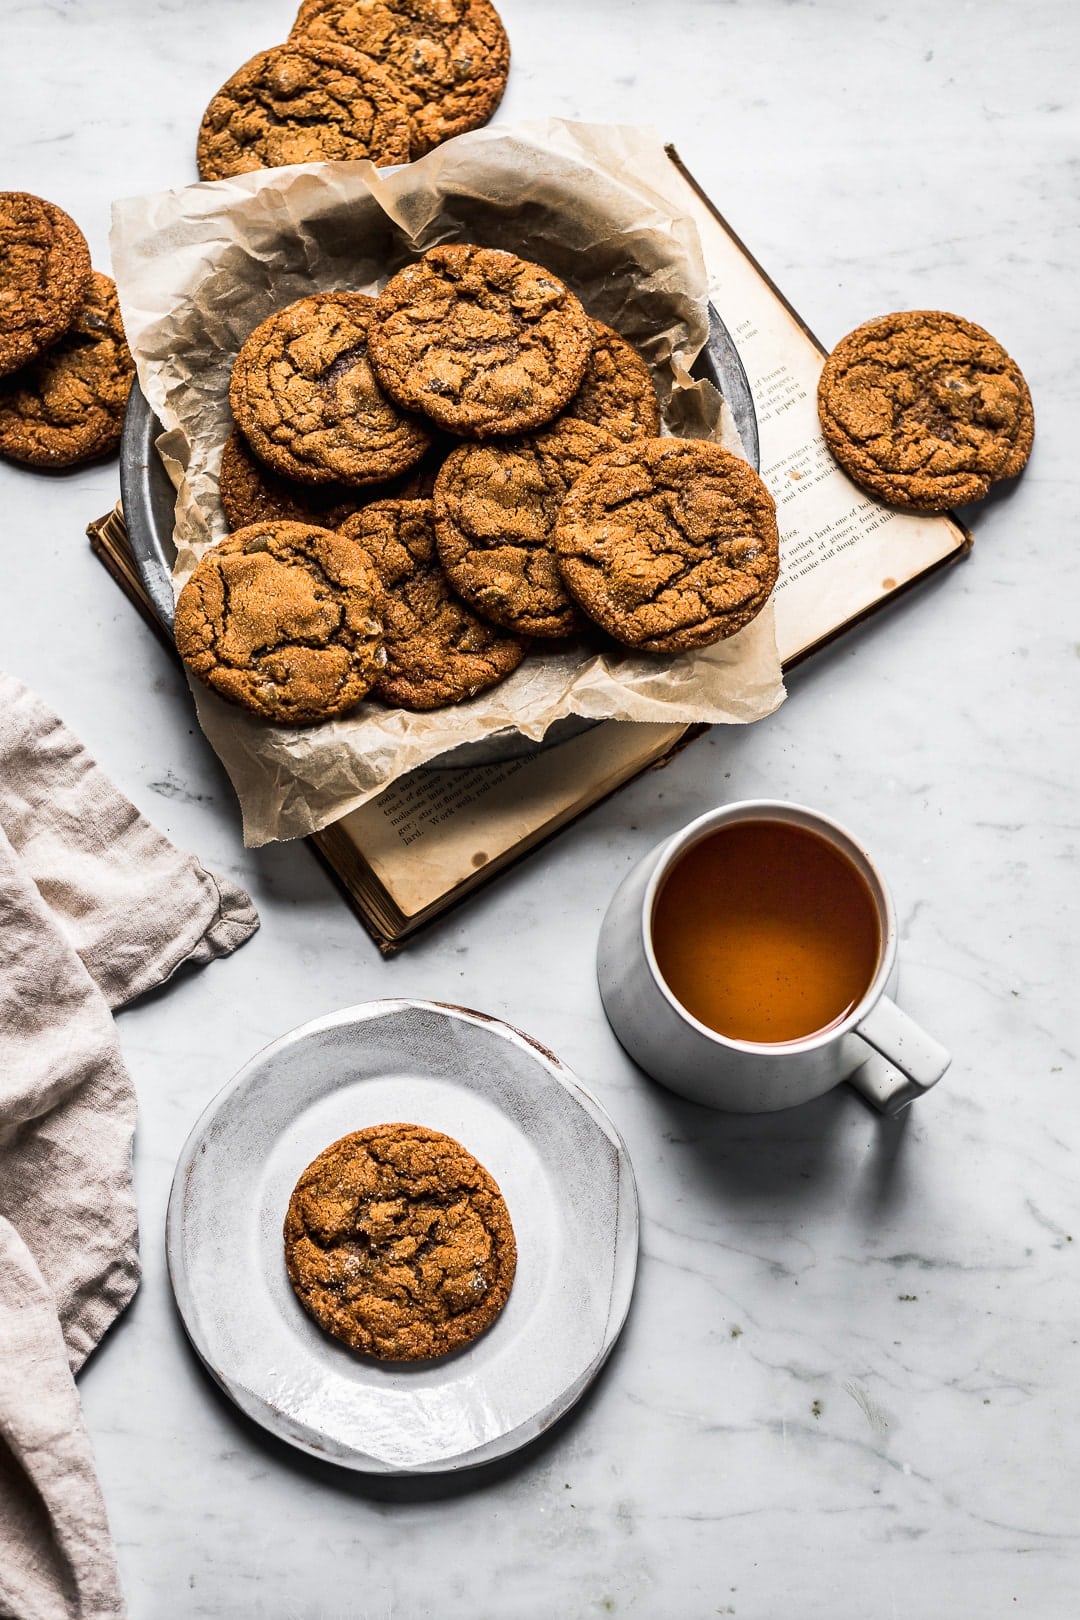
(564, 1173)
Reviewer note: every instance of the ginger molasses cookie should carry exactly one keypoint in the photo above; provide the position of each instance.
(305, 102)
(448, 58)
(617, 390)
(44, 271)
(495, 511)
(479, 340)
(669, 544)
(68, 406)
(925, 410)
(399, 1242)
(437, 651)
(251, 493)
(305, 397)
(280, 618)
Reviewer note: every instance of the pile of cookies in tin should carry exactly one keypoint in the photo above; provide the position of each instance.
(429, 485)
(385, 80)
(65, 370)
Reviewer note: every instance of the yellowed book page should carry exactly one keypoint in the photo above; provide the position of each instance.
(431, 830)
(841, 552)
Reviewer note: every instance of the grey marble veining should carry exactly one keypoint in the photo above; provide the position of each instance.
(849, 1387)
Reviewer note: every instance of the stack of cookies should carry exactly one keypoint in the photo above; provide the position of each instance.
(427, 484)
(65, 370)
(380, 79)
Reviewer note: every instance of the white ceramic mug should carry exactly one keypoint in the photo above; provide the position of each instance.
(884, 1054)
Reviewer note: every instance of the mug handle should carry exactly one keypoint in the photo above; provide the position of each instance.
(915, 1061)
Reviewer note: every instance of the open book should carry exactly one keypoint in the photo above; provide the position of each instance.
(435, 835)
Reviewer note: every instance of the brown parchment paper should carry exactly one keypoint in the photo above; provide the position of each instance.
(197, 269)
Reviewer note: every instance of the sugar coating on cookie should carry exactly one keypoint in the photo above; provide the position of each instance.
(482, 342)
(44, 276)
(496, 505)
(281, 619)
(449, 60)
(925, 410)
(669, 544)
(67, 407)
(309, 101)
(438, 651)
(617, 391)
(399, 1243)
(305, 397)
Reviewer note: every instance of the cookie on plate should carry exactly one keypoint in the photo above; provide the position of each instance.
(44, 272)
(305, 397)
(669, 544)
(449, 61)
(479, 340)
(309, 101)
(925, 410)
(437, 651)
(399, 1242)
(67, 407)
(495, 511)
(280, 618)
(617, 390)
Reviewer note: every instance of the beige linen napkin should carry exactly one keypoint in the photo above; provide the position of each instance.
(96, 906)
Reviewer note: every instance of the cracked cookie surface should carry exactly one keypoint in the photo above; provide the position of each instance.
(495, 510)
(305, 397)
(305, 102)
(925, 410)
(448, 58)
(438, 651)
(617, 390)
(44, 275)
(67, 407)
(251, 493)
(399, 1242)
(280, 618)
(669, 544)
(482, 342)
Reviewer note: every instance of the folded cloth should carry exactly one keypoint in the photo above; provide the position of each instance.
(96, 906)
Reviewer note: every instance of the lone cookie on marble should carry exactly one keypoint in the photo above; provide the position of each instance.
(305, 397)
(399, 1242)
(482, 342)
(617, 390)
(495, 510)
(281, 618)
(67, 407)
(449, 60)
(309, 101)
(669, 544)
(925, 410)
(44, 276)
(251, 493)
(437, 651)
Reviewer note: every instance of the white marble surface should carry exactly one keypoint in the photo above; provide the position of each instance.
(850, 1383)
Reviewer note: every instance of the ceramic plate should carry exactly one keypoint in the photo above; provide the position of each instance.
(564, 1173)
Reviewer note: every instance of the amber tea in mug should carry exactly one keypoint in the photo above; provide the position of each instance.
(766, 932)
